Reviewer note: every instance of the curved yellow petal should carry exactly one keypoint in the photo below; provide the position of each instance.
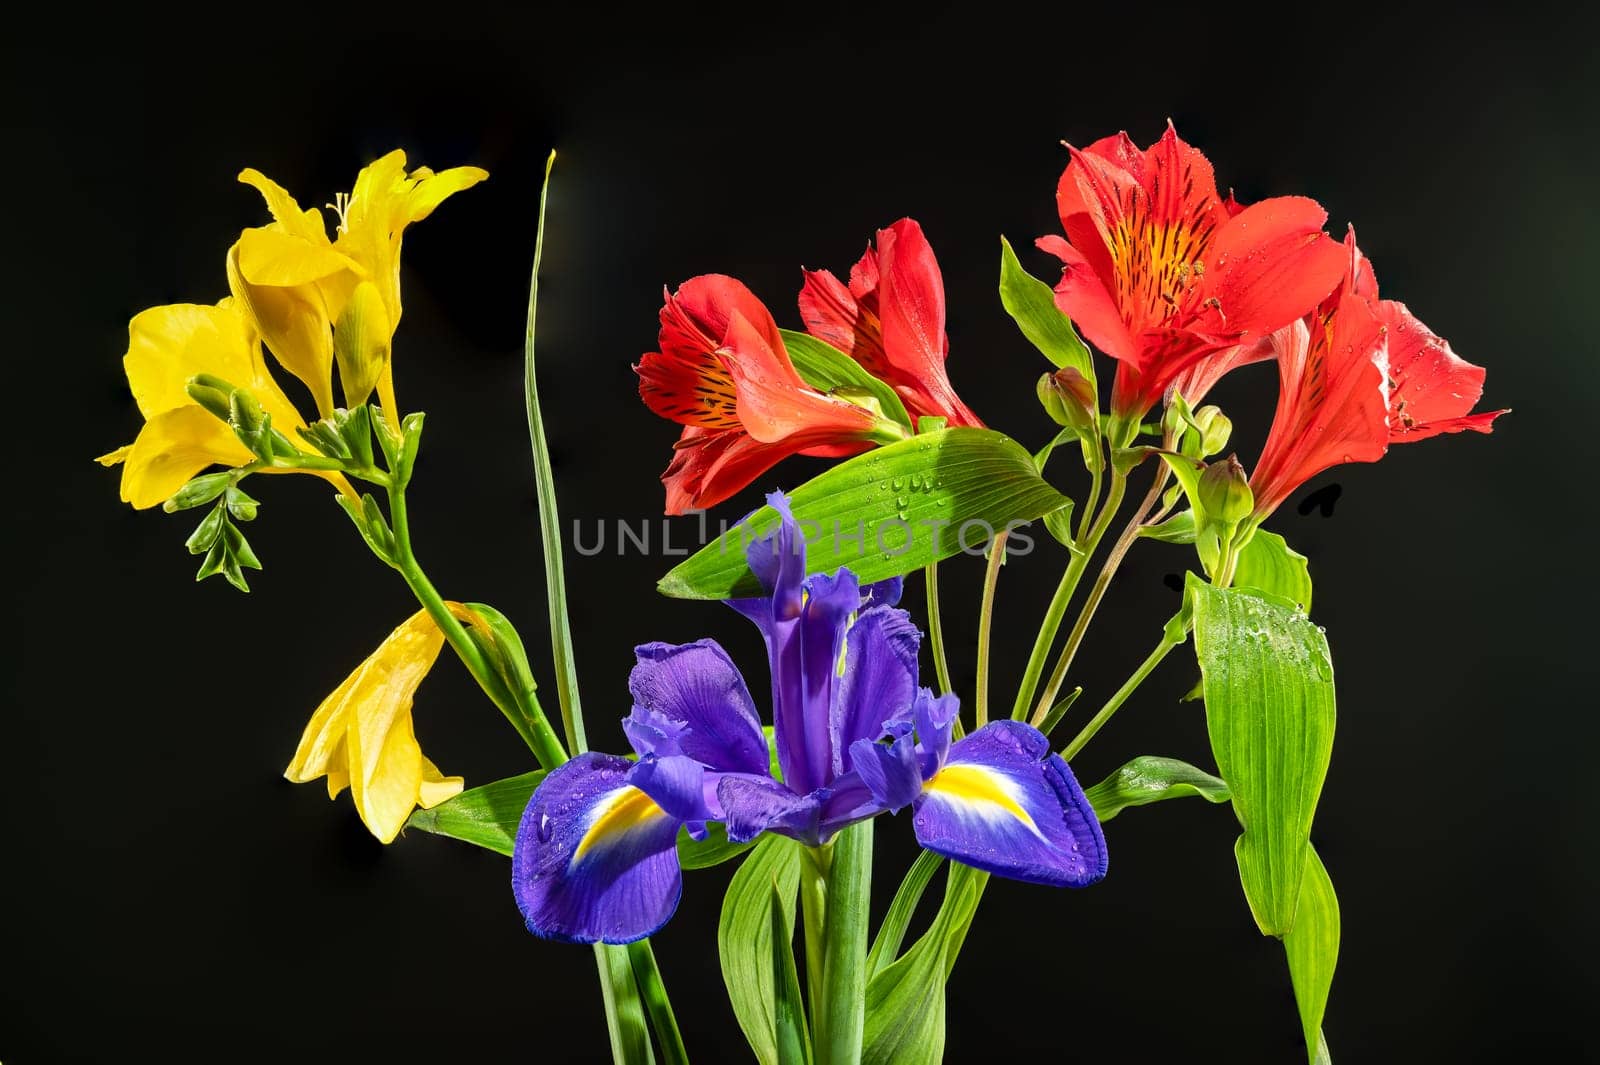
(361, 343)
(170, 344)
(111, 458)
(274, 256)
(362, 733)
(173, 447)
(295, 325)
(306, 224)
(436, 787)
(434, 189)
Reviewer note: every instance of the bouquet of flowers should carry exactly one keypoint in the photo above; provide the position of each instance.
(1174, 283)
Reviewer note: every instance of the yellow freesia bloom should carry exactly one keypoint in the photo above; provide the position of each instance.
(361, 736)
(167, 346)
(299, 284)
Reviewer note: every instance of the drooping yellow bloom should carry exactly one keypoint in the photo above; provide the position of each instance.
(301, 285)
(361, 736)
(167, 346)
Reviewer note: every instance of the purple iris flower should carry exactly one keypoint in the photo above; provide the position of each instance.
(855, 736)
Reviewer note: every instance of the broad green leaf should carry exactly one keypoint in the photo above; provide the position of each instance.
(713, 850)
(486, 816)
(1033, 305)
(1268, 683)
(1267, 562)
(886, 946)
(790, 1037)
(1149, 779)
(906, 1000)
(744, 937)
(1313, 949)
(825, 368)
(887, 512)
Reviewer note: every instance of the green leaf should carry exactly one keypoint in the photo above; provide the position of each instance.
(485, 816)
(886, 947)
(1268, 683)
(744, 937)
(1267, 562)
(1033, 305)
(1059, 525)
(1313, 949)
(887, 512)
(1150, 779)
(792, 1041)
(713, 850)
(1059, 711)
(502, 646)
(1178, 529)
(906, 1001)
(825, 368)
(555, 578)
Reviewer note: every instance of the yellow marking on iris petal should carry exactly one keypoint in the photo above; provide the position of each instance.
(625, 811)
(974, 784)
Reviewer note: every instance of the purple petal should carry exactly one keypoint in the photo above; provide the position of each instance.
(679, 785)
(889, 771)
(844, 802)
(690, 699)
(934, 716)
(879, 682)
(1003, 802)
(883, 593)
(753, 805)
(595, 857)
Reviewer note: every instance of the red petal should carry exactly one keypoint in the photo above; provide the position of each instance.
(1431, 388)
(774, 403)
(1082, 296)
(1270, 264)
(689, 391)
(832, 313)
(695, 318)
(1199, 379)
(911, 310)
(708, 467)
(1331, 405)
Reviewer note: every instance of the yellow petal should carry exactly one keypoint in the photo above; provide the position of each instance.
(361, 343)
(111, 458)
(173, 447)
(306, 224)
(362, 732)
(168, 345)
(434, 189)
(294, 323)
(436, 787)
(275, 256)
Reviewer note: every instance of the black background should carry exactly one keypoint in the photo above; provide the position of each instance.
(166, 894)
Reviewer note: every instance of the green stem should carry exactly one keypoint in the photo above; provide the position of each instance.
(835, 894)
(941, 665)
(626, 1028)
(1169, 640)
(1082, 550)
(654, 993)
(528, 720)
(1101, 581)
(991, 579)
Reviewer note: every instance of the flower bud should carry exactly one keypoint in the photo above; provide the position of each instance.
(1069, 399)
(1215, 429)
(211, 392)
(361, 341)
(1224, 493)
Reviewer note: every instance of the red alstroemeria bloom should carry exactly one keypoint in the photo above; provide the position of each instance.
(1356, 375)
(890, 319)
(724, 375)
(1160, 272)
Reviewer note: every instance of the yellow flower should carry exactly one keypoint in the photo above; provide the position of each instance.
(167, 346)
(299, 285)
(361, 736)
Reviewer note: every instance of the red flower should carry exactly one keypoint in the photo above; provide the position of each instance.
(723, 374)
(890, 319)
(1356, 375)
(1161, 272)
